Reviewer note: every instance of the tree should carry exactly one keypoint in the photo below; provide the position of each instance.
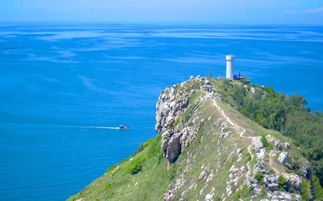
(317, 189)
(306, 190)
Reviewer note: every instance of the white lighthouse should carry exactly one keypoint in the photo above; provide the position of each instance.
(229, 63)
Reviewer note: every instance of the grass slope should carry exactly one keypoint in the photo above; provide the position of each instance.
(147, 175)
(144, 176)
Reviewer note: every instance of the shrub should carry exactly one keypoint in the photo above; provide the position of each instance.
(266, 143)
(148, 150)
(135, 166)
(306, 190)
(282, 181)
(283, 184)
(260, 178)
(317, 189)
(295, 171)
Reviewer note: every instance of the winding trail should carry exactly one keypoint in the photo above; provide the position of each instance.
(242, 134)
(272, 153)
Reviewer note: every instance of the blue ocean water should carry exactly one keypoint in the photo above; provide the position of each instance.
(59, 83)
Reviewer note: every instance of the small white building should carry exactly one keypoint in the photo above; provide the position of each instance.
(229, 63)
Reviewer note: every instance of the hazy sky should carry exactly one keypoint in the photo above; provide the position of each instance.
(210, 11)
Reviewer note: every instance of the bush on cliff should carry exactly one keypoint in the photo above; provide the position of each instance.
(286, 114)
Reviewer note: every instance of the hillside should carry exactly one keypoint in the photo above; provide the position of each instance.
(207, 150)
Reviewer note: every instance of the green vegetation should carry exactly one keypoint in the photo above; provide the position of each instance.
(142, 177)
(306, 190)
(266, 143)
(147, 175)
(245, 192)
(248, 156)
(281, 180)
(317, 189)
(312, 190)
(191, 106)
(176, 122)
(260, 178)
(135, 165)
(286, 114)
(295, 171)
(283, 183)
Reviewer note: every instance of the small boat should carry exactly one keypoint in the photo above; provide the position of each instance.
(122, 127)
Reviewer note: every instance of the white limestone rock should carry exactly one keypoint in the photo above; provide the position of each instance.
(209, 196)
(287, 145)
(277, 145)
(258, 143)
(283, 157)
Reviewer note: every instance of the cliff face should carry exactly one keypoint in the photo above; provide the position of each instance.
(205, 150)
(172, 105)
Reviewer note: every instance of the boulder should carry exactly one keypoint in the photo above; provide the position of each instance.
(229, 191)
(306, 171)
(271, 182)
(169, 196)
(287, 145)
(187, 137)
(283, 157)
(203, 175)
(270, 138)
(209, 197)
(165, 139)
(279, 195)
(252, 90)
(294, 180)
(277, 145)
(257, 191)
(261, 154)
(174, 148)
(258, 143)
(239, 150)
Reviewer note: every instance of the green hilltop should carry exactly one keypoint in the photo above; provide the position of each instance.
(221, 140)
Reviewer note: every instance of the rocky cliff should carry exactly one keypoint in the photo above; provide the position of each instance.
(205, 150)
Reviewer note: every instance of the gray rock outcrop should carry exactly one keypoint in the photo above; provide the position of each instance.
(283, 157)
(172, 103)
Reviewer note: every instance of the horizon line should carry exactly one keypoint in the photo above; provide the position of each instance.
(138, 22)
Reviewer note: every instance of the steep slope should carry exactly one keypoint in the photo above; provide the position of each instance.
(205, 150)
(286, 114)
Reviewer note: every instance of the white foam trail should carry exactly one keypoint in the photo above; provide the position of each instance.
(101, 127)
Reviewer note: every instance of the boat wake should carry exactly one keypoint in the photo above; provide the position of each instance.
(101, 127)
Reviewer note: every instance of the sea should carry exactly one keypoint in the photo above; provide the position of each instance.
(63, 86)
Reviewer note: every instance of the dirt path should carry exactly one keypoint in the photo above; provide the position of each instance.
(272, 163)
(242, 132)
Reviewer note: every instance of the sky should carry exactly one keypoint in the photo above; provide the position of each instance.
(172, 11)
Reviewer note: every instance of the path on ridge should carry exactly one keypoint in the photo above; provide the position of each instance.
(242, 134)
